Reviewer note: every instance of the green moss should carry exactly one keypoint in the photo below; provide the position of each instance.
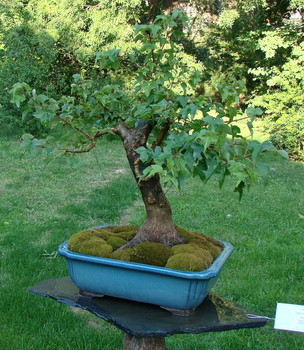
(213, 241)
(124, 255)
(196, 254)
(184, 248)
(102, 233)
(76, 241)
(97, 247)
(123, 229)
(126, 232)
(186, 234)
(203, 243)
(193, 249)
(187, 262)
(115, 242)
(113, 236)
(151, 253)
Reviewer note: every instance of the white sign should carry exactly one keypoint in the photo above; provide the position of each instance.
(289, 317)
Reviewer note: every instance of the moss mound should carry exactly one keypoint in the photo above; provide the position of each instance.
(124, 255)
(191, 248)
(196, 254)
(97, 247)
(187, 262)
(150, 253)
(202, 241)
(76, 241)
(116, 242)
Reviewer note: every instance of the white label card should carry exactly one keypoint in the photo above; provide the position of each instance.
(289, 317)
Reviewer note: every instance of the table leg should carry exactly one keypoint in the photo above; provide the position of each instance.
(133, 343)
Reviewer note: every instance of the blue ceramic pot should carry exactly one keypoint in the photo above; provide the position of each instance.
(161, 286)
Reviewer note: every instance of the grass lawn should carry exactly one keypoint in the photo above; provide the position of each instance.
(42, 205)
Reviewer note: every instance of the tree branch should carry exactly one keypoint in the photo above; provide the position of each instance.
(161, 136)
(122, 130)
(74, 127)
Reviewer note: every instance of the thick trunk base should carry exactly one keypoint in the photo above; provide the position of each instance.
(150, 233)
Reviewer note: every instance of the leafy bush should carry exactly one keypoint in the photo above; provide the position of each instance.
(43, 44)
(283, 104)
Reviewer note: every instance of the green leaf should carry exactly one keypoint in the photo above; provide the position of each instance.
(176, 13)
(132, 57)
(178, 34)
(222, 178)
(209, 139)
(283, 153)
(200, 170)
(235, 130)
(155, 29)
(44, 115)
(263, 170)
(252, 112)
(181, 165)
(116, 65)
(250, 127)
(19, 92)
(225, 94)
(197, 150)
(181, 179)
(267, 146)
(25, 112)
(157, 152)
(154, 169)
(238, 171)
(30, 143)
(145, 155)
(212, 165)
(240, 189)
(77, 77)
(18, 99)
(182, 100)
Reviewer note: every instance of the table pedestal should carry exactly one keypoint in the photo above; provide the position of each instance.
(145, 326)
(132, 343)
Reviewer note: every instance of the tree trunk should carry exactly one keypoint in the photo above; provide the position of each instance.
(159, 226)
(156, 7)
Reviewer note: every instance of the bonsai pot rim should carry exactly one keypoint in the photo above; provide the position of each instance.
(209, 273)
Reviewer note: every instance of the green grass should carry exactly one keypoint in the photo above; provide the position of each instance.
(41, 206)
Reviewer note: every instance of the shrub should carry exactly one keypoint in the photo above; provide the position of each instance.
(43, 43)
(283, 104)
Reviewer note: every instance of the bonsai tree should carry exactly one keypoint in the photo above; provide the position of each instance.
(170, 132)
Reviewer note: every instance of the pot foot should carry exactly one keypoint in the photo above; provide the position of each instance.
(90, 295)
(179, 312)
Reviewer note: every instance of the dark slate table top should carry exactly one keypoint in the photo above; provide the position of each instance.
(146, 320)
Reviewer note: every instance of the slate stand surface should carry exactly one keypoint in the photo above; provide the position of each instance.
(140, 320)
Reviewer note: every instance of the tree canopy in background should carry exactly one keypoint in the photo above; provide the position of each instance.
(44, 43)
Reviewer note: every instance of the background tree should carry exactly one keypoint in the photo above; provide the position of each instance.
(260, 42)
(43, 43)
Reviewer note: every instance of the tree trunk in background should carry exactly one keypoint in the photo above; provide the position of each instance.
(157, 7)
